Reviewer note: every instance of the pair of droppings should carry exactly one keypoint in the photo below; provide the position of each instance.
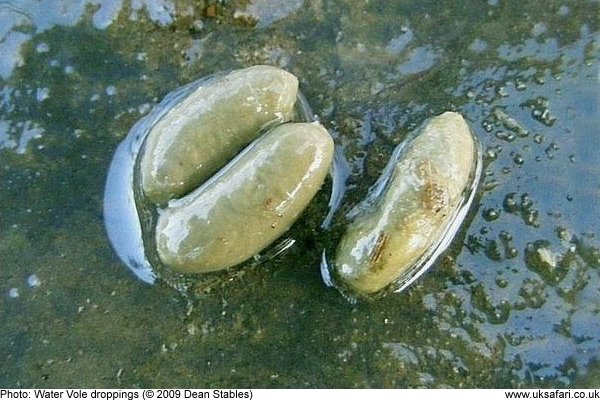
(225, 165)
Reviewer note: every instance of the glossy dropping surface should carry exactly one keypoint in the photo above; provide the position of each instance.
(513, 303)
(429, 178)
(249, 203)
(212, 124)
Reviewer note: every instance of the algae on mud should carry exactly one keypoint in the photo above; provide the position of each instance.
(489, 316)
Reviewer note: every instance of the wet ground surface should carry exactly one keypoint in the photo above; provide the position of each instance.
(515, 301)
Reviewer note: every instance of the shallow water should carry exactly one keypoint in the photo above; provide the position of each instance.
(515, 302)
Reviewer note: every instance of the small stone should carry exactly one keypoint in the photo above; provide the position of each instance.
(33, 281)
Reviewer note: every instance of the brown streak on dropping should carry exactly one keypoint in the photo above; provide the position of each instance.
(434, 197)
(269, 203)
(377, 251)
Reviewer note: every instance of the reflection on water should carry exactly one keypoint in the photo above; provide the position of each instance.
(514, 302)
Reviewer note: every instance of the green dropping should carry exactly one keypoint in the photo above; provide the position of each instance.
(250, 203)
(391, 240)
(199, 135)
